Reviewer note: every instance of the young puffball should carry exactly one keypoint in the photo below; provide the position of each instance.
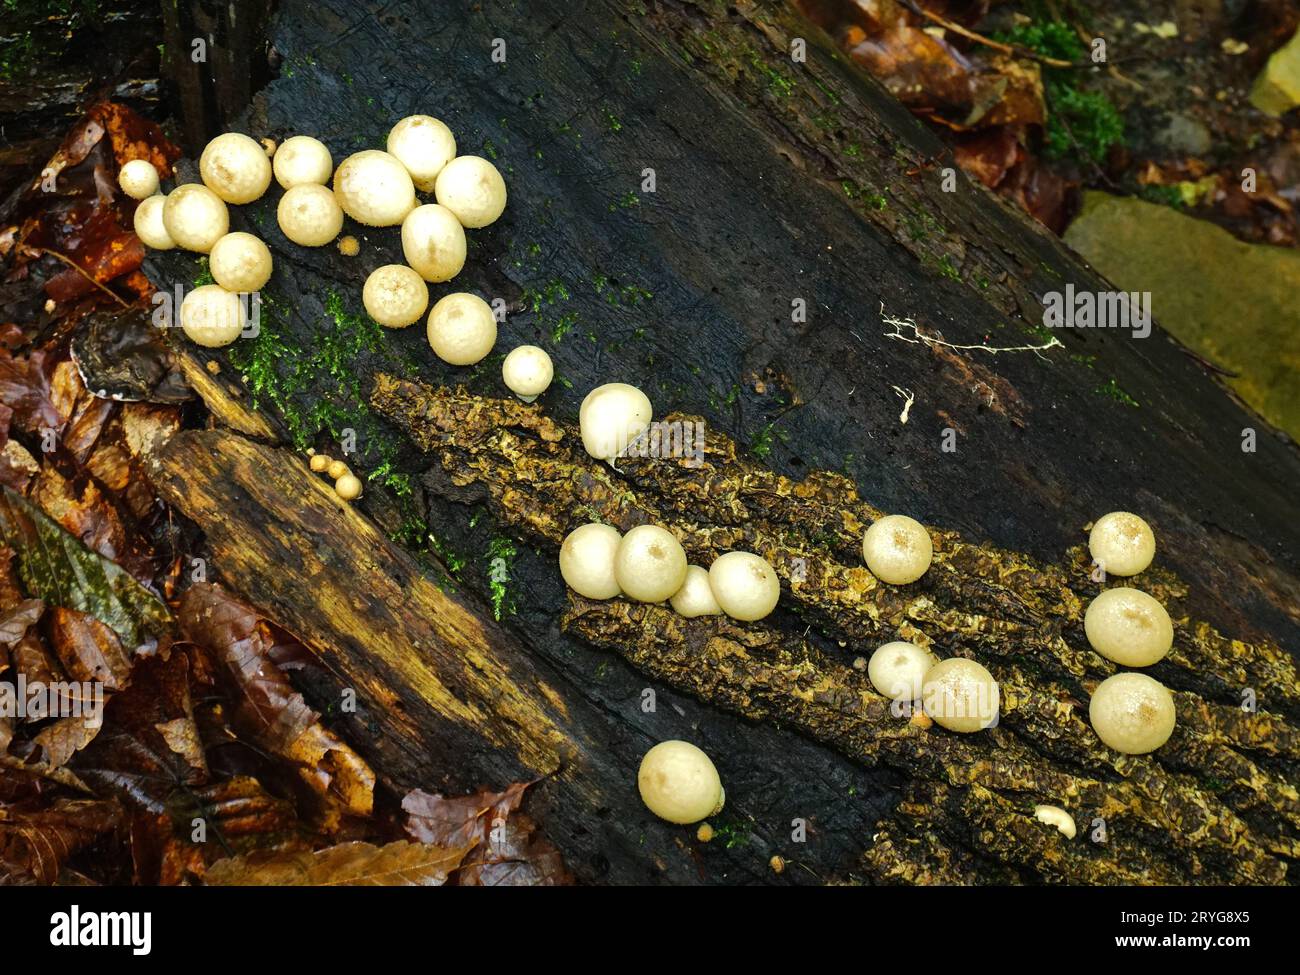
(138, 179)
(1058, 817)
(897, 549)
(309, 215)
(149, 225)
(195, 217)
(374, 188)
(650, 564)
(1122, 543)
(745, 585)
(695, 598)
(1129, 627)
(679, 783)
(424, 146)
(212, 316)
(471, 188)
(348, 487)
(897, 670)
(462, 329)
(527, 372)
(960, 695)
(587, 560)
(235, 167)
(611, 417)
(240, 262)
(337, 469)
(395, 296)
(1132, 713)
(433, 242)
(302, 160)
(320, 463)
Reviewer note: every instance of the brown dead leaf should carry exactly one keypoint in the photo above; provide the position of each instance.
(460, 820)
(88, 649)
(15, 623)
(65, 737)
(399, 864)
(34, 843)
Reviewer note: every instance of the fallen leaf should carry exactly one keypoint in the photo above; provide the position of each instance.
(35, 843)
(89, 650)
(399, 864)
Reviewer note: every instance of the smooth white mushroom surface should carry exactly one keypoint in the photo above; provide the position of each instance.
(195, 217)
(1132, 713)
(348, 487)
(1129, 627)
(587, 560)
(1122, 543)
(611, 417)
(240, 262)
(424, 145)
(960, 695)
(374, 188)
(309, 215)
(472, 188)
(679, 783)
(211, 316)
(897, 670)
(395, 296)
(745, 585)
(462, 329)
(1058, 817)
(235, 167)
(897, 549)
(695, 597)
(149, 226)
(650, 564)
(138, 179)
(302, 160)
(433, 242)
(527, 372)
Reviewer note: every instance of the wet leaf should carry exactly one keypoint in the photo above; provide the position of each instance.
(34, 843)
(88, 650)
(62, 739)
(399, 864)
(515, 855)
(460, 820)
(14, 623)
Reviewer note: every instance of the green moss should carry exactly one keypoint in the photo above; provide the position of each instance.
(1112, 390)
(501, 554)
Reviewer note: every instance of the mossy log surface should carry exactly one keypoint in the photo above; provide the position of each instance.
(779, 183)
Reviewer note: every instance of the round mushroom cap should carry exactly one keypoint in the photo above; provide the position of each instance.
(395, 296)
(374, 188)
(462, 329)
(149, 226)
(527, 371)
(679, 783)
(587, 560)
(650, 564)
(897, 549)
(1058, 817)
(302, 160)
(695, 597)
(611, 417)
(1122, 543)
(212, 317)
(898, 670)
(433, 242)
(1129, 627)
(195, 217)
(240, 262)
(138, 179)
(472, 188)
(960, 695)
(1132, 713)
(424, 146)
(235, 167)
(309, 215)
(745, 585)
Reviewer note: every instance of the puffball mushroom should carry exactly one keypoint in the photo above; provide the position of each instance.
(1122, 543)
(374, 188)
(424, 146)
(348, 487)
(320, 463)
(1058, 817)
(1129, 627)
(472, 188)
(309, 215)
(587, 560)
(337, 469)
(212, 316)
(695, 597)
(395, 296)
(650, 564)
(149, 226)
(138, 179)
(240, 262)
(462, 329)
(528, 372)
(195, 217)
(897, 549)
(679, 783)
(898, 670)
(1132, 713)
(235, 167)
(433, 242)
(960, 695)
(611, 417)
(302, 160)
(745, 585)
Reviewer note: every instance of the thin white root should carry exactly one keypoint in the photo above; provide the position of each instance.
(917, 337)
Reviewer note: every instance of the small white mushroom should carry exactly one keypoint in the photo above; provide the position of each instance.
(745, 585)
(587, 560)
(211, 316)
(898, 670)
(395, 296)
(424, 146)
(462, 329)
(302, 160)
(650, 564)
(472, 188)
(240, 262)
(960, 695)
(149, 226)
(897, 549)
(1122, 543)
(138, 179)
(348, 487)
(433, 242)
(235, 167)
(309, 215)
(695, 597)
(1132, 713)
(527, 372)
(374, 188)
(195, 217)
(611, 417)
(1058, 817)
(1129, 627)
(679, 783)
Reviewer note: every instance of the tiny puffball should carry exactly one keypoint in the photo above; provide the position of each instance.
(302, 160)
(897, 670)
(309, 215)
(1122, 543)
(695, 597)
(897, 549)
(1129, 627)
(424, 146)
(745, 585)
(395, 296)
(374, 188)
(462, 329)
(149, 226)
(348, 487)
(138, 179)
(240, 262)
(1058, 817)
(650, 564)
(960, 695)
(433, 242)
(235, 167)
(337, 469)
(611, 417)
(1132, 713)
(195, 217)
(587, 560)
(527, 372)
(320, 463)
(472, 188)
(211, 316)
(679, 783)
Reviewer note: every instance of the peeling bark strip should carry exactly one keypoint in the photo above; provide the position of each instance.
(1216, 804)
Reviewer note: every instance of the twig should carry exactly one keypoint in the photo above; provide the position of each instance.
(1015, 49)
(85, 274)
(920, 338)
